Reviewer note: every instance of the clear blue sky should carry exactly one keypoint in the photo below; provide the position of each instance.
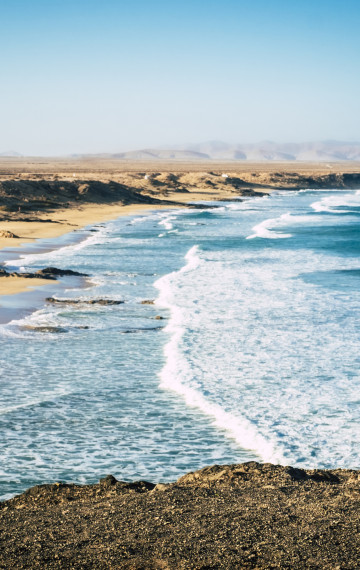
(91, 76)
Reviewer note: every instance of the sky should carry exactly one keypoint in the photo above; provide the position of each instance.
(86, 76)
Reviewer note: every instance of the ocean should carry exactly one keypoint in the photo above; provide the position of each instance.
(246, 349)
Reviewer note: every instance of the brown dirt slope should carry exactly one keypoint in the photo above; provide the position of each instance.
(221, 517)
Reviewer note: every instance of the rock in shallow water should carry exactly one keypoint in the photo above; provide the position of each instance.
(54, 271)
(83, 301)
(44, 329)
(50, 273)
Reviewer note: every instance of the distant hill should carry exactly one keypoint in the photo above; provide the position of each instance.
(326, 151)
(181, 154)
(10, 154)
(265, 151)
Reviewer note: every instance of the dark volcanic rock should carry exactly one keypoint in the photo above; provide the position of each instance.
(221, 517)
(25, 275)
(84, 301)
(54, 271)
(36, 275)
(50, 273)
(44, 329)
(142, 330)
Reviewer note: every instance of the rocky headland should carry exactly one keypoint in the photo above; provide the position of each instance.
(221, 517)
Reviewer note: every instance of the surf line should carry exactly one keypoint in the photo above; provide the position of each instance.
(177, 369)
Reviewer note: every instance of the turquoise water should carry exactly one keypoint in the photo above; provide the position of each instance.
(256, 355)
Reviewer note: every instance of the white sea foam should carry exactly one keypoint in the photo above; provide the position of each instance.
(177, 375)
(244, 204)
(148, 217)
(138, 220)
(332, 204)
(167, 222)
(252, 347)
(24, 260)
(265, 229)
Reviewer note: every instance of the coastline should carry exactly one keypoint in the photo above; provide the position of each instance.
(27, 198)
(59, 222)
(62, 222)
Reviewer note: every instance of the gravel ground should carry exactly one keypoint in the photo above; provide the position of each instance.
(235, 516)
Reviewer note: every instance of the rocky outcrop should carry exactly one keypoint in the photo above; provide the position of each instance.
(83, 301)
(44, 329)
(221, 517)
(51, 273)
(6, 234)
(55, 272)
(50, 329)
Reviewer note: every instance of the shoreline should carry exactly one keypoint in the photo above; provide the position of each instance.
(56, 223)
(106, 194)
(63, 222)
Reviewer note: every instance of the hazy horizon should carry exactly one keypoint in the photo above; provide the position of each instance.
(84, 77)
(197, 147)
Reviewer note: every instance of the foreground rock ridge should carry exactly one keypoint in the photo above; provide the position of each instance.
(250, 515)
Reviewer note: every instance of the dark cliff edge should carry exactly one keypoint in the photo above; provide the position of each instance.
(232, 516)
(47, 195)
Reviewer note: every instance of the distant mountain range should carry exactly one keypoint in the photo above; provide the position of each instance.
(326, 151)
